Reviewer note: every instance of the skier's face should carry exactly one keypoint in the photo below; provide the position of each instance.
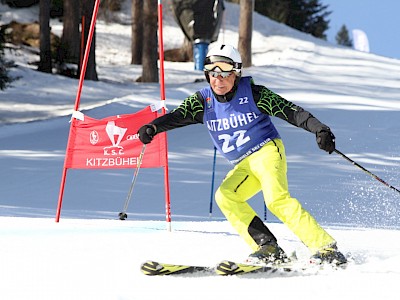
(221, 85)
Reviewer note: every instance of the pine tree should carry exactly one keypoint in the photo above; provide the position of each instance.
(343, 38)
(87, 12)
(137, 32)
(277, 10)
(245, 31)
(45, 63)
(150, 47)
(70, 39)
(4, 77)
(308, 16)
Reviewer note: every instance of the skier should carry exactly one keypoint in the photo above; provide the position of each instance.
(237, 114)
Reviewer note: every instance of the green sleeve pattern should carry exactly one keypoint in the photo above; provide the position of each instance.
(273, 104)
(191, 106)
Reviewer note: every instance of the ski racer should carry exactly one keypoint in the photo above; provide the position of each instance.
(237, 114)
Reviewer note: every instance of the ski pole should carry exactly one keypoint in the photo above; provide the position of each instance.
(122, 215)
(212, 183)
(365, 170)
(265, 211)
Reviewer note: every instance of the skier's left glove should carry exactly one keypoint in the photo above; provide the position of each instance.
(326, 139)
(147, 133)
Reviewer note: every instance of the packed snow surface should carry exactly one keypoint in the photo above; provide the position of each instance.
(90, 254)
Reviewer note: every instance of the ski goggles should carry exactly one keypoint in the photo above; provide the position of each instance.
(223, 74)
(223, 66)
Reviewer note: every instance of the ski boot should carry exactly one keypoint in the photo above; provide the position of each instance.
(268, 254)
(329, 255)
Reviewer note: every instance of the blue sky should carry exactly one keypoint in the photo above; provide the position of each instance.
(378, 19)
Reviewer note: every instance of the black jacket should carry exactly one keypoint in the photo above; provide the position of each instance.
(192, 109)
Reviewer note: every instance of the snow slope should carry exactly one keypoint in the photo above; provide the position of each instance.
(92, 255)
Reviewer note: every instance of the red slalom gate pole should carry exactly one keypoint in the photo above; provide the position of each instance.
(162, 95)
(77, 101)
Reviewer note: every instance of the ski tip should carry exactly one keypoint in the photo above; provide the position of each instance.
(151, 268)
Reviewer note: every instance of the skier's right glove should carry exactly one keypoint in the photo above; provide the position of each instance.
(326, 139)
(147, 133)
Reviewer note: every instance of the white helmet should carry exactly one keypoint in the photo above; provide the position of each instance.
(224, 53)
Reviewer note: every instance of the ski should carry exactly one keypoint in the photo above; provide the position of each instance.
(227, 267)
(224, 268)
(153, 268)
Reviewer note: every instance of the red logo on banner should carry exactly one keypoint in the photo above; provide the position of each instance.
(113, 142)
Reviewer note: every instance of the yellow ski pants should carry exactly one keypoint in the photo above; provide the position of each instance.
(266, 170)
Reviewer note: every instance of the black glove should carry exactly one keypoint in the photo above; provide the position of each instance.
(147, 133)
(326, 139)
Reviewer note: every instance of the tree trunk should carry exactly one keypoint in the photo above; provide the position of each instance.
(150, 53)
(245, 31)
(137, 32)
(70, 40)
(87, 12)
(45, 64)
